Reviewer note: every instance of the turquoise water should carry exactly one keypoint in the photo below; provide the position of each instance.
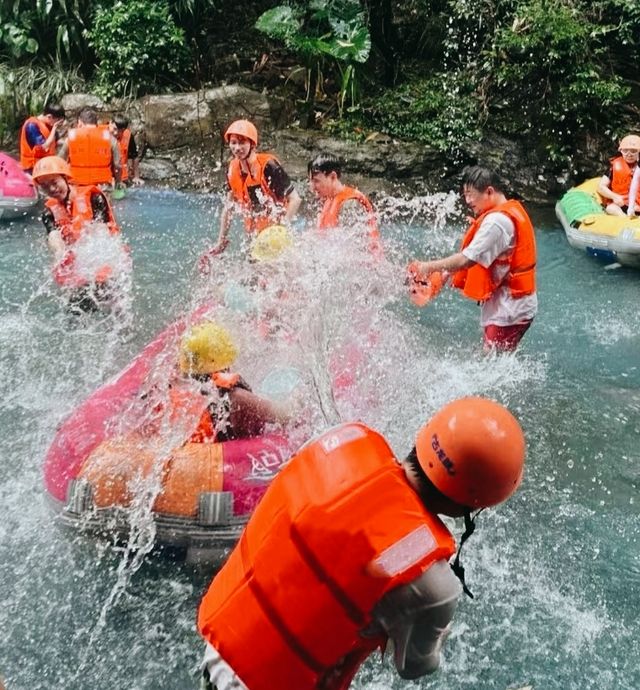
(555, 572)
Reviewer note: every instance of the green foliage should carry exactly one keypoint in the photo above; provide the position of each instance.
(25, 89)
(441, 111)
(549, 62)
(323, 32)
(16, 41)
(139, 48)
(548, 70)
(44, 30)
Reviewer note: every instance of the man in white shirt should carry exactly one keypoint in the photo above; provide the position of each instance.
(496, 262)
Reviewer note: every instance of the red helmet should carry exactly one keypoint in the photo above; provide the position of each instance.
(50, 165)
(242, 128)
(473, 451)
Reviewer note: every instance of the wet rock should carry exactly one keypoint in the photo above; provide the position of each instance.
(73, 103)
(158, 169)
(182, 136)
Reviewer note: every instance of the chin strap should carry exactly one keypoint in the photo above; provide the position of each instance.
(456, 566)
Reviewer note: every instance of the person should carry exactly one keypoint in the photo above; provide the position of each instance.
(496, 264)
(615, 185)
(129, 161)
(92, 152)
(258, 187)
(207, 352)
(326, 572)
(69, 209)
(39, 135)
(342, 206)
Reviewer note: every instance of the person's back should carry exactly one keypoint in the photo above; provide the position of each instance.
(362, 467)
(326, 571)
(90, 155)
(92, 151)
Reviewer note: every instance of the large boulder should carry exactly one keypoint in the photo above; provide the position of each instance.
(182, 136)
(188, 119)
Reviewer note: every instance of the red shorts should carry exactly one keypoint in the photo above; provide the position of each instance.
(504, 338)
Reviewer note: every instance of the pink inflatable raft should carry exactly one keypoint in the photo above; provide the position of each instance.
(18, 194)
(98, 471)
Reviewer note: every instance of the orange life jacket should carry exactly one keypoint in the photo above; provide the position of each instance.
(123, 146)
(622, 176)
(30, 154)
(71, 220)
(90, 154)
(272, 211)
(191, 403)
(337, 529)
(477, 283)
(329, 215)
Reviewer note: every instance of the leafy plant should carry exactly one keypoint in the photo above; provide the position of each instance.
(440, 110)
(551, 61)
(138, 46)
(44, 30)
(25, 89)
(326, 34)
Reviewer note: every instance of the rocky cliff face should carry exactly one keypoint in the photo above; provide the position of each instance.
(182, 138)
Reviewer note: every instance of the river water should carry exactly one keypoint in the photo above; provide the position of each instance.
(555, 572)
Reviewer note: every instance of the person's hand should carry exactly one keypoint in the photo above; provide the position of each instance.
(418, 271)
(205, 262)
(618, 199)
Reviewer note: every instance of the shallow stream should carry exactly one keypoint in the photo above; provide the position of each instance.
(555, 572)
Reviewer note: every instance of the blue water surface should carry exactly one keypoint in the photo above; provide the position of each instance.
(555, 571)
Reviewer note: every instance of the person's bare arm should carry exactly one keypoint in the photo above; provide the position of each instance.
(249, 414)
(116, 168)
(604, 190)
(204, 262)
(293, 205)
(225, 224)
(51, 138)
(450, 263)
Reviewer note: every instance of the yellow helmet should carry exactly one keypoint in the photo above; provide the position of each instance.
(270, 243)
(631, 141)
(206, 348)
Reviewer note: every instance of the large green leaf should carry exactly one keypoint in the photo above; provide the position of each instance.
(282, 22)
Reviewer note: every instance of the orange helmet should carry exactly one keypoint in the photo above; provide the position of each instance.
(472, 451)
(631, 141)
(242, 128)
(50, 165)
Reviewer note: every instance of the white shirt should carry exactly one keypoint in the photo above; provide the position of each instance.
(495, 238)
